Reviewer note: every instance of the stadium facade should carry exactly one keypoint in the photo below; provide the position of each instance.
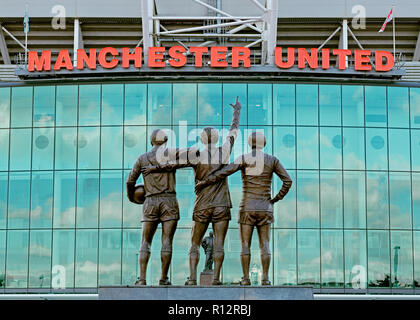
(350, 138)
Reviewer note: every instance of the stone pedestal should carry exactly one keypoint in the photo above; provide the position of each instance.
(234, 292)
(206, 278)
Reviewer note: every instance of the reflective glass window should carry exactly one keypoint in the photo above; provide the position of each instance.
(112, 104)
(353, 105)
(111, 198)
(355, 259)
(44, 106)
(284, 257)
(4, 147)
(20, 149)
(415, 150)
(21, 111)
(66, 105)
(415, 107)
(307, 199)
(378, 259)
(415, 189)
(398, 107)
(41, 199)
(353, 148)
(88, 148)
(87, 199)
(130, 255)
(210, 104)
(332, 270)
(285, 211)
(89, 104)
(307, 104)
(260, 104)
(131, 211)
(17, 259)
(40, 259)
(109, 257)
(111, 147)
(185, 103)
(4, 107)
(268, 133)
(376, 149)
(65, 148)
(331, 199)
(416, 241)
(43, 148)
(184, 183)
(331, 145)
(401, 259)
(230, 92)
(2, 258)
(63, 258)
(19, 195)
(284, 146)
(64, 199)
(330, 105)
(308, 257)
(376, 104)
(377, 200)
(135, 141)
(135, 103)
(307, 148)
(3, 198)
(159, 104)
(284, 104)
(86, 263)
(399, 149)
(400, 200)
(354, 199)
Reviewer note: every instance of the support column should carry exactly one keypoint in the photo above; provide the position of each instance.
(272, 17)
(3, 48)
(343, 43)
(147, 9)
(416, 56)
(77, 40)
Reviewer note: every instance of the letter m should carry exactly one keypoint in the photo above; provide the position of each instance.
(44, 63)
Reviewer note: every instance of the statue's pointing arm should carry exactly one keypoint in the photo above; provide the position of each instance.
(233, 131)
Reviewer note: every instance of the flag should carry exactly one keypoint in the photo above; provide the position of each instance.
(26, 22)
(388, 19)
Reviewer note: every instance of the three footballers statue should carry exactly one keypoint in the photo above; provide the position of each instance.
(212, 202)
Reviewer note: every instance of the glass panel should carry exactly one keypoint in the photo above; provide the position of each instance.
(111, 147)
(65, 148)
(330, 105)
(21, 113)
(331, 144)
(2, 258)
(401, 259)
(284, 108)
(398, 107)
(284, 257)
(41, 199)
(414, 107)
(185, 103)
(86, 263)
(284, 146)
(135, 103)
(375, 99)
(112, 104)
(377, 200)
(400, 200)
(285, 211)
(4, 107)
(415, 150)
(353, 105)
(235, 189)
(40, 259)
(135, 141)
(64, 199)
(130, 256)
(109, 257)
(179, 264)
(378, 259)
(307, 148)
(307, 104)
(66, 106)
(399, 150)
(4, 147)
(354, 148)
(184, 183)
(355, 259)
(89, 104)
(111, 198)
(268, 133)
(43, 149)
(308, 257)
(63, 258)
(415, 189)
(230, 92)
(416, 251)
(260, 104)
(17, 259)
(332, 259)
(308, 199)
(354, 199)
(88, 147)
(19, 195)
(159, 104)
(210, 104)
(87, 199)
(132, 213)
(331, 199)
(20, 150)
(3, 198)
(44, 106)
(376, 149)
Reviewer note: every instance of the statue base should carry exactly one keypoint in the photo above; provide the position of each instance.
(234, 292)
(206, 278)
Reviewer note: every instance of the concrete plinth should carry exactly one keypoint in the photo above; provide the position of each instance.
(206, 278)
(206, 293)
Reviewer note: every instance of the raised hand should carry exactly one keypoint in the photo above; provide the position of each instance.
(237, 104)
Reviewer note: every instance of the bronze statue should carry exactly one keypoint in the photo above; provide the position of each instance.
(160, 206)
(208, 246)
(212, 203)
(256, 208)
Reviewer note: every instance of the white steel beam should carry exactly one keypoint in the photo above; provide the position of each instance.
(211, 26)
(202, 18)
(344, 40)
(416, 56)
(3, 48)
(272, 16)
(147, 9)
(329, 38)
(259, 5)
(77, 40)
(14, 38)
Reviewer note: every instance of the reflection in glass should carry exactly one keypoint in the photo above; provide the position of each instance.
(260, 104)
(230, 92)
(135, 141)
(308, 257)
(415, 107)
(159, 104)
(416, 251)
(401, 259)
(66, 105)
(64, 199)
(17, 259)
(135, 103)
(284, 104)
(88, 148)
(332, 259)
(43, 149)
(376, 149)
(307, 199)
(2, 258)
(307, 104)
(399, 150)
(109, 257)
(40, 259)
(354, 199)
(3, 198)
(65, 148)
(130, 248)
(375, 99)
(112, 104)
(111, 147)
(398, 107)
(330, 105)
(41, 199)
(185, 103)
(354, 148)
(307, 148)
(331, 143)
(284, 146)
(415, 150)
(353, 105)
(89, 104)
(87, 199)
(210, 104)
(415, 189)
(111, 198)
(331, 199)
(355, 259)
(377, 200)
(86, 258)
(4, 107)
(19, 195)
(20, 158)
(400, 200)
(4, 147)
(132, 213)
(184, 190)
(179, 265)
(285, 210)
(44, 106)
(378, 259)
(284, 257)
(63, 255)
(21, 111)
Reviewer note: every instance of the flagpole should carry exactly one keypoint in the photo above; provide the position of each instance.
(393, 28)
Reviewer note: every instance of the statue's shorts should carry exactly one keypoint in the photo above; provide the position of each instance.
(214, 215)
(160, 208)
(256, 218)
